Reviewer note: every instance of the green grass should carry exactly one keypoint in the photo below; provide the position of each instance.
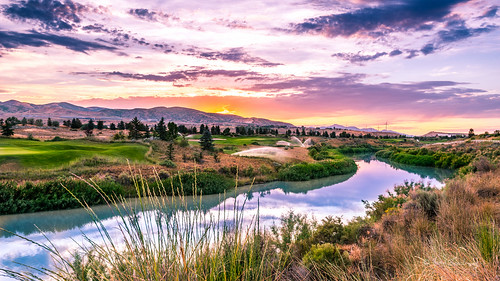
(47, 155)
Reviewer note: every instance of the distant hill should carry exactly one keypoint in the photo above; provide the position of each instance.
(442, 134)
(64, 110)
(367, 130)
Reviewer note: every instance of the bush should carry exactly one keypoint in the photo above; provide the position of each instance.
(168, 163)
(326, 254)
(489, 242)
(191, 183)
(51, 195)
(308, 171)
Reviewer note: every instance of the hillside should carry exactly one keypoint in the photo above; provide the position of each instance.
(181, 115)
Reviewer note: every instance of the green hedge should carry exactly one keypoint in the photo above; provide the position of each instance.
(308, 171)
(425, 157)
(206, 183)
(51, 195)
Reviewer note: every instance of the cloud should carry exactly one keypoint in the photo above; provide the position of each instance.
(358, 58)
(12, 39)
(380, 20)
(175, 76)
(395, 53)
(147, 15)
(51, 14)
(491, 13)
(235, 55)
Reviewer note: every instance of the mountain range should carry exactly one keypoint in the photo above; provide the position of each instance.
(353, 128)
(182, 115)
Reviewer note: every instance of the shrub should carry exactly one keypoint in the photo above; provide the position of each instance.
(307, 171)
(168, 163)
(191, 183)
(326, 254)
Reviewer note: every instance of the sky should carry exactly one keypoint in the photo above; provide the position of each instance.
(419, 65)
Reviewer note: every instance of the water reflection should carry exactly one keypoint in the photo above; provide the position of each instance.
(338, 195)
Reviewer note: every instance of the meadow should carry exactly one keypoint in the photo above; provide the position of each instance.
(32, 154)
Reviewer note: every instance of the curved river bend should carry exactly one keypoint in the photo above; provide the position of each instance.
(337, 196)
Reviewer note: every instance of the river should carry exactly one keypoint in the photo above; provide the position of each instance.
(337, 196)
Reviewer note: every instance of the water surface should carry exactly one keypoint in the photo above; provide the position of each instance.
(337, 196)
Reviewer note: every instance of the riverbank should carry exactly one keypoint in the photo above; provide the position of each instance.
(413, 233)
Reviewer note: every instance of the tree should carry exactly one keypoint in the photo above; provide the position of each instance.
(121, 125)
(333, 135)
(471, 133)
(49, 122)
(39, 122)
(76, 123)
(134, 129)
(173, 131)
(24, 121)
(89, 128)
(6, 128)
(170, 152)
(100, 125)
(161, 129)
(226, 132)
(55, 124)
(206, 140)
(112, 126)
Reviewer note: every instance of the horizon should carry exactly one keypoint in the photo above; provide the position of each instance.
(421, 66)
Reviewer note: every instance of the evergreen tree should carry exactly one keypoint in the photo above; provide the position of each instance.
(206, 140)
(100, 125)
(89, 128)
(161, 129)
(202, 129)
(325, 134)
(226, 132)
(31, 121)
(55, 124)
(39, 122)
(333, 135)
(49, 122)
(76, 123)
(6, 128)
(121, 125)
(170, 152)
(24, 121)
(173, 131)
(112, 126)
(134, 129)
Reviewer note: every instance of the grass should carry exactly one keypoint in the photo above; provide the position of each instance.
(414, 233)
(35, 154)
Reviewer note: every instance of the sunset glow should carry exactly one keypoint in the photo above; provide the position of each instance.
(419, 65)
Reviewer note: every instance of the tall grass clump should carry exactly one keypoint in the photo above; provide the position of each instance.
(161, 238)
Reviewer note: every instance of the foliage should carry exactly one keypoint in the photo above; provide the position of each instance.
(425, 157)
(168, 163)
(206, 140)
(307, 171)
(326, 254)
(194, 183)
(52, 195)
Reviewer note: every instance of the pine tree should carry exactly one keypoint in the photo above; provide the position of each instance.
(161, 129)
(100, 125)
(206, 140)
(6, 128)
(121, 125)
(112, 126)
(24, 121)
(170, 152)
(134, 132)
(49, 122)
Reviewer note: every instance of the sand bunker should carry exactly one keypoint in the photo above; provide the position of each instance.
(274, 153)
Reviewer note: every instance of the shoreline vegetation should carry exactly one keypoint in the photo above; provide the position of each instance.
(414, 232)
